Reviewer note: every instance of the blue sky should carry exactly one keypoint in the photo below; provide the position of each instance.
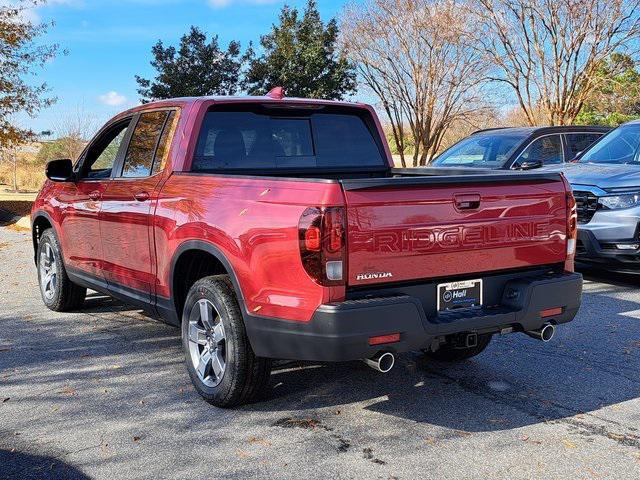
(109, 41)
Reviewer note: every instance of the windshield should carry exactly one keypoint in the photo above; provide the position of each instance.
(481, 151)
(619, 147)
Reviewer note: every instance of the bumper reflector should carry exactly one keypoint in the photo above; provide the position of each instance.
(379, 340)
(551, 312)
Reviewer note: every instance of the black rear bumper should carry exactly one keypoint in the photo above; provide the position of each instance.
(341, 331)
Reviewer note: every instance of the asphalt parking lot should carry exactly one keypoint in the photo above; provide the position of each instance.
(103, 394)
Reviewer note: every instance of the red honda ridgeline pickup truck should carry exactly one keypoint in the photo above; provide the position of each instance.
(276, 228)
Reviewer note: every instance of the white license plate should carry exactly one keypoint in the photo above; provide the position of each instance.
(457, 295)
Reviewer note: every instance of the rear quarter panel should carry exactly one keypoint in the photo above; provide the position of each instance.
(253, 221)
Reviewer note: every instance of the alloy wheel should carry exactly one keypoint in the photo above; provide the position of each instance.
(207, 343)
(48, 272)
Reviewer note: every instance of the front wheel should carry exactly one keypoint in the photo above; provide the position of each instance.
(58, 292)
(222, 366)
(449, 353)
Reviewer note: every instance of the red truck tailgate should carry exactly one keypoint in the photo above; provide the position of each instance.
(403, 229)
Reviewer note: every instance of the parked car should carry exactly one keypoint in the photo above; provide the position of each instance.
(606, 185)
(268, 227)
(520, 148)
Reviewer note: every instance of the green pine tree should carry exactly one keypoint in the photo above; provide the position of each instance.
(301, 55)
(196, 68)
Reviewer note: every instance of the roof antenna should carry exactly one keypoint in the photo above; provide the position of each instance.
(277, 93)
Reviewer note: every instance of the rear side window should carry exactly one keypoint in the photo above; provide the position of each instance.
(162, 152)
(578, 142)
(285, 139)
(138, 161)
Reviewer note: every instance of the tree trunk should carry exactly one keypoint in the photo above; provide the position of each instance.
(15, 174)
(402, 160)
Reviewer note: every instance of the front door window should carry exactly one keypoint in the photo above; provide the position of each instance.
(547, 150)
(101, 155)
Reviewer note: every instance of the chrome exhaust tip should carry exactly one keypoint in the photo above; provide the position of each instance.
(382, 362)
(545, 333)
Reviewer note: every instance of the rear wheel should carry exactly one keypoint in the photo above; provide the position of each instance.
(449, 353)
(58, 292)
(219, 358)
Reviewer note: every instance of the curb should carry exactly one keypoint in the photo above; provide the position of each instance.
(22, 224)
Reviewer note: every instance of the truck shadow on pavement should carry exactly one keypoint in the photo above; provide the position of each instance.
(130, 364)
(25, 466)
(592, 363)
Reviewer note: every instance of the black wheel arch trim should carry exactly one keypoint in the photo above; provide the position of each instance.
(34, 218)
(207, 247)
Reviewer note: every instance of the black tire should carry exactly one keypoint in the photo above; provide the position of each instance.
(245, 376)
(446, 353)
(62, 295)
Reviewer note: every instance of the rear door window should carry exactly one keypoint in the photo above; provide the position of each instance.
(286, 139)
(138, 161)
(579, 142)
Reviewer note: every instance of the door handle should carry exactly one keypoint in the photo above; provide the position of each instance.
(95, 195)
(469, 201)
(141, 196)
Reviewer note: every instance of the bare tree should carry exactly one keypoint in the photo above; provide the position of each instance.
(9, 153)
(72, 130)
(414, 56)
(464, 127)
(548, 51)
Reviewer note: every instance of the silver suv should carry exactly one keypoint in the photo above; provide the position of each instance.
(606, 184)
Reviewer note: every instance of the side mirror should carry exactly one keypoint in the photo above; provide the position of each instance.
(529, 165)
(60, 170)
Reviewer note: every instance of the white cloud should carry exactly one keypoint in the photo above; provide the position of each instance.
(227, 3)
(113, 99)
(31, 13)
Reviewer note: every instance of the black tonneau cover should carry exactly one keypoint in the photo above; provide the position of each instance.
(446, 176)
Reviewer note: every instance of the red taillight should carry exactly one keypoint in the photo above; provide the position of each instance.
(572, 226)
(312, 239)
(572, 216)
(322, 244)
(333, 225)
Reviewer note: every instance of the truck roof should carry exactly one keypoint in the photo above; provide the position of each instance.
(186, 101)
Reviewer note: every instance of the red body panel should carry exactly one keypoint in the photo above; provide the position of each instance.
(127, 250)
(419, 233)
(253, 222)
(75, 213)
